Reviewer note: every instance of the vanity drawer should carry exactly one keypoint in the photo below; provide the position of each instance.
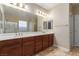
(10, 47)
(28, 46)
(45, 41)
(27, 39)
(13, 50)
(51, 39)
(10, 42)
(38, 44)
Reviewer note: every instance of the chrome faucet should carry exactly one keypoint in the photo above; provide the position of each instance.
(18, 34)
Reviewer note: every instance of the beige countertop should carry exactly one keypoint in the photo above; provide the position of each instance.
(9, 36)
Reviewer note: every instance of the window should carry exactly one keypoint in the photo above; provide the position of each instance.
(22, 26)
(50, 24)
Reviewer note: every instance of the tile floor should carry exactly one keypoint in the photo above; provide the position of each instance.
(53, 51)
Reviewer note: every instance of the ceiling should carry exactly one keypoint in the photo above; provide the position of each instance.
(47, 6)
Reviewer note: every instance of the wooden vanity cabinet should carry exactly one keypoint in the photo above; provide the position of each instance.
(28, 46)
(45, 41)
(10, 47)
(38, 44)
(51, 39)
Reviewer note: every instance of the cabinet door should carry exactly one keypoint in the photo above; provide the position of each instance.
(10, 48)
(45, 41)
(28, 46)
(38, 44)
(51, 39)
(13, 50)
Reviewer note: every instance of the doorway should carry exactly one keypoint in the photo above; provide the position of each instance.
(75, 24)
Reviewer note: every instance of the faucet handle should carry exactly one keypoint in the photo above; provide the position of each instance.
(16, 34)
(21, 34)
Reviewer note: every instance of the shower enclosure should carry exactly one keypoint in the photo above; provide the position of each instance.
(74, 24)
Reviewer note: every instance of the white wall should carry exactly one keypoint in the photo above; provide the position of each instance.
(60, 15)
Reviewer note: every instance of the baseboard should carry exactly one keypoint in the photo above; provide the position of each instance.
(62, 48)
(54, 45)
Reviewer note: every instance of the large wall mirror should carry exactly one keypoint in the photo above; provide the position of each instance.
(17, 20)
(1, 28)
(27, 22)
(11, 19)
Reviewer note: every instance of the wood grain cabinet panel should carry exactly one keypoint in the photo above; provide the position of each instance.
(45, 41)
(38, 44)
(10, 47)
(51, 39)
(28, 46)
(14, 50)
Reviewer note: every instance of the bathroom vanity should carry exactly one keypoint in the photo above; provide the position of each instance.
(26, 45)
(21, 32)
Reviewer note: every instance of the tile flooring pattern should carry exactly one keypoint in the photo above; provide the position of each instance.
(53, 51)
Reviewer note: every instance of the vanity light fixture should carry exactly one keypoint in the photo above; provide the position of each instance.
(15, 4)
(41, 13)
(26, 7)
(21, 5)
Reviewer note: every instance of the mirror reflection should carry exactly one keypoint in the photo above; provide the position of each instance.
(1, 28)
(13, 20)
(19, 21)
